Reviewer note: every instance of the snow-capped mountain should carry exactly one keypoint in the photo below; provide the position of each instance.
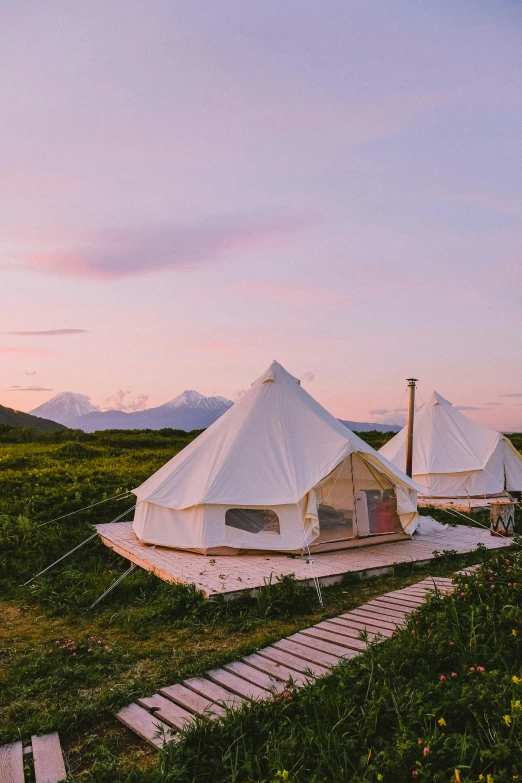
(64, 407)
(188, 411)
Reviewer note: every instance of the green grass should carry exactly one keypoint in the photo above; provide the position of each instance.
(157, 633)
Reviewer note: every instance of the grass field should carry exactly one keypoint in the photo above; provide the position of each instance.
(66, 667)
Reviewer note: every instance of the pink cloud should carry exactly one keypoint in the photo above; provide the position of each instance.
(126, 252)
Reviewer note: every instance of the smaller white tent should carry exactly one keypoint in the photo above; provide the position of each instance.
(275, 472)
(456, 458)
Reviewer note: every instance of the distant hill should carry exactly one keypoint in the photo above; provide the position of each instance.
(370, 426)
(189, 411)
(64, 407)
(19, 419)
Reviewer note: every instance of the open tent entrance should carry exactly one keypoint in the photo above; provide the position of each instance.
(355, 501)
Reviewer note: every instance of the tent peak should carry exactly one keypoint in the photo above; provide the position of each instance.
(437, 399)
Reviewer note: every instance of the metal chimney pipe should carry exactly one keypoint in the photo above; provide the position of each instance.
(409, 432)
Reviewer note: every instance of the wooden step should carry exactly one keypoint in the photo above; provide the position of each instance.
(145, 725)
(313, 656)
(359, 624)
(371, 618)
(214, 692)
(167, 711)
(338, 639)
(387, 611)
(345, 630)
(253, 675)
(12, 763)
(293, 662)
(48, 760)
(237, 685)
(192, 701)
(323, 646)
(278, 670)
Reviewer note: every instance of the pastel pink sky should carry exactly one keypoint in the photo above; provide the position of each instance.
(203, 187)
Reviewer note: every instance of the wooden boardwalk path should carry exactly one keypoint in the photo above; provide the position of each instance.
(300, 658)
(233, 575)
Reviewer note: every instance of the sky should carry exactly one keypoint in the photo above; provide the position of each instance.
(190, 190)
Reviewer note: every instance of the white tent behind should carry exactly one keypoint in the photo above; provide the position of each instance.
(263, 474)
(456, 457)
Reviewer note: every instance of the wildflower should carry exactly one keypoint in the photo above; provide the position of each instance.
(472, 668)
(457, 776)
(514, 632)
(394, 635)
(507, 719)
(490, 578)
(282, 774)
(426, 752)
(481, 585)
(380, 777)
(516, 679)
(287, 695)
(489, 778)
(442, 678)
(413, 631)
(462, 595)
(453, 674)
(517, 705)
(89, 650)
(419, 741)
(451, 644)
(509, 584)
(441, 722)
(480, 669)
(415, 774)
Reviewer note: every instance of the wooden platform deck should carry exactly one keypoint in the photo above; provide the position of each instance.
(292, 662)
(230, 575)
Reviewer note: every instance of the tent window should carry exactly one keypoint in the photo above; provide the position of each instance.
(253, 520)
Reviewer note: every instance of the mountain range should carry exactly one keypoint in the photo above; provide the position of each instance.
(189, 411)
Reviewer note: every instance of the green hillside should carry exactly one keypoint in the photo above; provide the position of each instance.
(19, 419)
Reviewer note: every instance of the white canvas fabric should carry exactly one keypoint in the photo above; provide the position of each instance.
(270, 450)
(454, 456)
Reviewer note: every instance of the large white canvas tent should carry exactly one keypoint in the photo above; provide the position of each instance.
(275, 472)
(457, 460)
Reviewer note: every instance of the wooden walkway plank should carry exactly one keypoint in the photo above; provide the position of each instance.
(404, 600)
(192, 701)
(305, 666)
(389, 605)
(214, 692)
(313, 656)
(372, 617)
(12, 763)
(323, 646)
(253, 675)
(48, 760)
(237, 684)
(388, 611)
(278, 670)
(344, 630)
(146, 725)
(339, 639)
(167, 711)
(357, 623)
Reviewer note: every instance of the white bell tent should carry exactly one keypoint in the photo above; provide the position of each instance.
(276, 472)
(456, 459)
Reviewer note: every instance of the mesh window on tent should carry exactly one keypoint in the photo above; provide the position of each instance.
(253, 520)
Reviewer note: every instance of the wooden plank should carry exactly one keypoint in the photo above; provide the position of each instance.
(344, 630)
(403, 599)
(395, 606)
(285, 658)
(338, 639)
(278, 670)
(323, 646)
(145, 725)
(314, 656)
(394, 613)
(192, 701)
(374, 619)
(167, 711)
(237, 685)
(253, 675)
(214, 692)
(48, 760)
(12, 763)
(381, 614)
(359, 624)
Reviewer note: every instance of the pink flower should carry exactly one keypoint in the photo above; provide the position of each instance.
(492, 587)
(472, 668)
(480, 585)
(442, 678)
(89, 650)
(507, 561)
(413, 631)
(509, 584)
(480, 669)
(490, 571)
(462, 595)
(453, 674)
(490, 578)
(426, 751)
(452, 643)
(415, 774)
